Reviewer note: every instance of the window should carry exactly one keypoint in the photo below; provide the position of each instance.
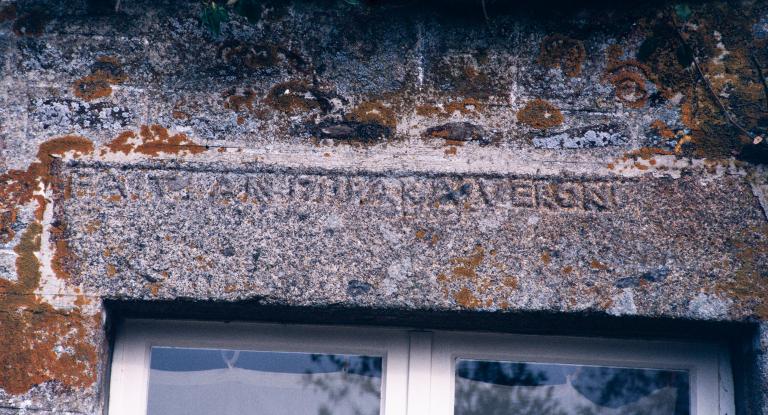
(163, 367)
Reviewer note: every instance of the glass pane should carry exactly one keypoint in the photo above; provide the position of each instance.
(235, 382)
(511, 388)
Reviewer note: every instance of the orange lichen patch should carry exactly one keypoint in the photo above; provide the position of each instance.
(373, 112)
(540, 114)
(239, 102)
(8, 13)
(567, 269)
(716, 71)
(7, 220)
(254, 56)
(49, 150)
(106, 72)
(179, 115)
(151, 141)
(114, 198)
(111, 270)
(680, 143)
(450, 151)
(640, 166)
(646, 153)
(465, 298)
(546, 257)
(62, 257)
(92, 87)
(661, 128)
(467, 266)
(747, 285)
(17, 187)
(475, 290)
(421, 233)
(154, 288)
(511, 282)
(428, 110)
(595, 264)
(613, 54)
(40, 343)
(630, 88)
(466, 106)
(110, 69)
(121, 143)
(293, 97)
(558, 51)
(629, 78)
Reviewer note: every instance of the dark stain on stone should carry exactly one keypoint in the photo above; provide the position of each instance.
(457, 195)
(296, 97)
(356, 288)
(255, 57)
(657, 275)
(367, 133)
(101, 7)
(755, 153)
(464, 76)
(458, 131)
(109, 68)
(228, 251)
(151, 277)
(666, 57)
(255, 260)
(32, 23)
(7, 13)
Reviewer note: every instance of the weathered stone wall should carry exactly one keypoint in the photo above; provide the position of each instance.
(395, 155)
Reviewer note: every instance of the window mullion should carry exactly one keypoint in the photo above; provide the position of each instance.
(419, 372)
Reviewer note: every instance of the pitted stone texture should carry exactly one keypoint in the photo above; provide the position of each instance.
(54, 113)
(427, 70)
(52, 399)
(330, 85)
(418, 241)
(15, 150)
(61, 60)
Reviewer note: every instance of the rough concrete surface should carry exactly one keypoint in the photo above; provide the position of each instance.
(389, 155)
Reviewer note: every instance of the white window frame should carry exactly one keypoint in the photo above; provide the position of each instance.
(418, 365)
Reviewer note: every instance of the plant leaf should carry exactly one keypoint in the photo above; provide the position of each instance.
(212, 15)
(683, 11)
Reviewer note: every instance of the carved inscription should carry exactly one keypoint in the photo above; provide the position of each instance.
(408, 193)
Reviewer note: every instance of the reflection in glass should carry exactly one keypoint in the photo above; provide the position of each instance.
(511, 388)
(235, 382)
